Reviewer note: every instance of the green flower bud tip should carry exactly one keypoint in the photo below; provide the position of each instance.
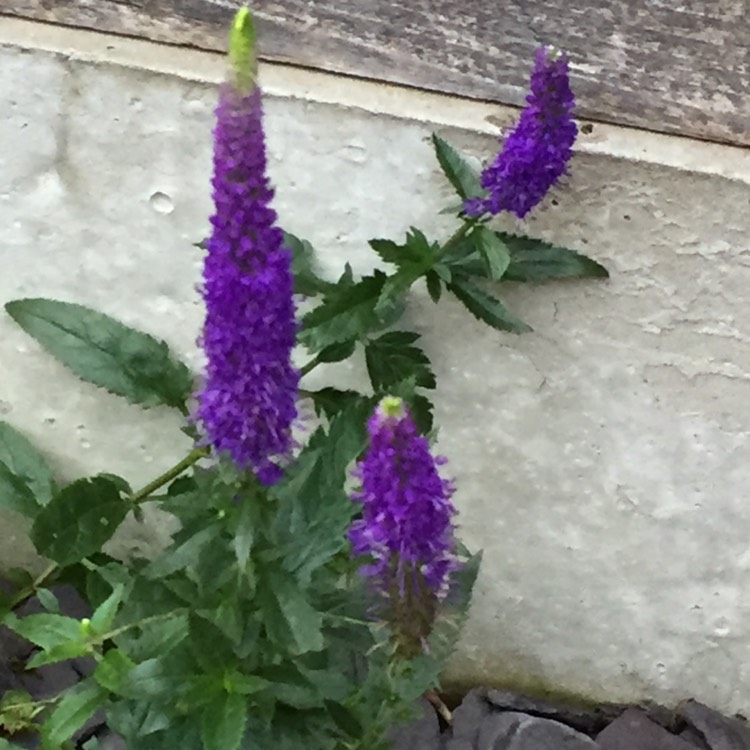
(242, 39)
(392, 407)
(85, 626)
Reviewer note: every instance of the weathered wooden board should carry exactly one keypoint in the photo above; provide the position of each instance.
(679, 66)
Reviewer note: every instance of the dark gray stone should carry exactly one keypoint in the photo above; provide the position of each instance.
(516, 731)
(422, 733)
(468, 717)
(49, 680)
(587, 721)
(634, 729)
(718, 732)
(694, 738)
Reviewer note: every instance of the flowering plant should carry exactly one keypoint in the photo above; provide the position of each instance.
(303, 602)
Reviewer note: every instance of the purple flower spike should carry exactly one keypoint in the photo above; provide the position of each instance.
(406, 525)
(247, 402)
(536, 153)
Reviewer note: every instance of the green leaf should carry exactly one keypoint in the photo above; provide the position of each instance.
(289, 685)
(393, 357)
(344, 719)
(434, 285)
(420, 255)
(156, 678)
(245, 521)
(485, 307)
(48, 600)
(329, 401)
(462, 175)
(17, 712)
(77, 706)
(46, 630)
(113, 670)
(534, 261)
(15, 494)
(224, 721)
(306, 279)
(104, 614)
(289, 618)
(103, 351)
(337, 352)
(183, 554)
(25, 461)
(345, 314)
(493, 250)
(5, 745)
(79, 520)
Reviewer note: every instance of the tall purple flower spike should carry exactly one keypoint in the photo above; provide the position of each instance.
(406, 524)
(247, 402)
(536, 153)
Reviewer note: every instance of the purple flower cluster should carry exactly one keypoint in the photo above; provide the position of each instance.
(247, 402)
(536, 153)
(406, 524)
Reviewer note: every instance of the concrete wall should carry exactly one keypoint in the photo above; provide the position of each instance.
(601, 461)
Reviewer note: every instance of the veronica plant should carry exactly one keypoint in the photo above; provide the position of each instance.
(289, 611)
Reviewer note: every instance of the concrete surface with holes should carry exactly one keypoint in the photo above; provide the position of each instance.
(601, 461)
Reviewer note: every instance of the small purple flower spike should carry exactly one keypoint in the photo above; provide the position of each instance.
(406, 524)
(536, 153)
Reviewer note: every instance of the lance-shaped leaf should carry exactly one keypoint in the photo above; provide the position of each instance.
(462, 174)
(485, 307)
(103, 351)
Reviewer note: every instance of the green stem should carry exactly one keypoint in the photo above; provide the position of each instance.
(29, 591)
(193, 457)
(458, 235)
(311, 365)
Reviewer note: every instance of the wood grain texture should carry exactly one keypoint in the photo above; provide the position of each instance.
(678, 66)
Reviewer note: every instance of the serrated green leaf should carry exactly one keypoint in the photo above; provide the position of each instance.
(61, 652)
(244, 524)
(392, 358)
(307, 282)
(460, 172)
(156, 678)
(344, 719)
(104, 614)
(24, 461)
(412, 251)
(16, 495)
(493, 251)
(422, 255)
(289, 618)
(46, 630)
(223, 724)
(337, 352)
(288, 685)
(182, 554)
(485, 307)
(329, 401)
(79, 520)
(434, 285)
(535, 261)
(77, 706)
(345, 314)
(113, 670)
(103, 351)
